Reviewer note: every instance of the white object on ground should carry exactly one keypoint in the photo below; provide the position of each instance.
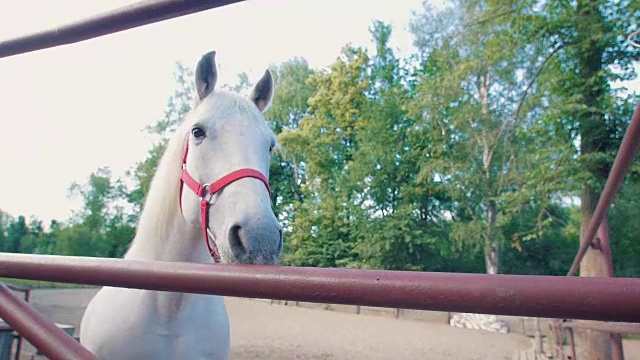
(479, 322)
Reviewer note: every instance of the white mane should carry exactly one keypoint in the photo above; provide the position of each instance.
(162, 203)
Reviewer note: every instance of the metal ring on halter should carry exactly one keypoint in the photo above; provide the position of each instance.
(205, 190)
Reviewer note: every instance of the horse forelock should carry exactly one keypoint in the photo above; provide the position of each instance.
(227, 106)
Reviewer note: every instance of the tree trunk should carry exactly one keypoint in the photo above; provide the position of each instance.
(296, 182)
(591, 345)
(491, 245)
(491, 241)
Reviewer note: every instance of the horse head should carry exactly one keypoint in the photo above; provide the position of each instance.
(225, 168)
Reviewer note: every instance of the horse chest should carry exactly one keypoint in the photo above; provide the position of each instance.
(142, 327)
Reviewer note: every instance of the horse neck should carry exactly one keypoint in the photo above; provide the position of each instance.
(170, 240)
(163, 234)
(166, 236)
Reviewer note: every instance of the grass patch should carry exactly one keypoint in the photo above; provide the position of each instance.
(37, 284)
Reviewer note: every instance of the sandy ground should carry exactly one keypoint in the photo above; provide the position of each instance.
(264, 331)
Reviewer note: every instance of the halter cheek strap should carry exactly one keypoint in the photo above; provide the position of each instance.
(202, 190)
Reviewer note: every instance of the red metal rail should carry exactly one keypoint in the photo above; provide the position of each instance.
(41, 332)
(609, 299)
(621, 328)
(614, 329)
(27, 295)
(124, 18)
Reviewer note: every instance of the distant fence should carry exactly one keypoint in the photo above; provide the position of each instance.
(517, 324)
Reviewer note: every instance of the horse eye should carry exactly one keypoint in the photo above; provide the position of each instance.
(198, 133)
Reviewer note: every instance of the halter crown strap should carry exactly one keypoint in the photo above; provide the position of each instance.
(202, 190)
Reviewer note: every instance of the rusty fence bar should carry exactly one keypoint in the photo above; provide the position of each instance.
(26, 291)
(572, 344)
(124, 18)
(608, 299)
(614, 328)
(617, 350)
(617, 327)
(625, 157)
(38, 330)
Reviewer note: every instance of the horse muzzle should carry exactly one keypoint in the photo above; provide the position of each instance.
(255, 242)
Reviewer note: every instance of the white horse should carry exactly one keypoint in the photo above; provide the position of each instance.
(224, 139)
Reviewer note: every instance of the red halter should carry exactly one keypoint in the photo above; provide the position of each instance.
(212, 188)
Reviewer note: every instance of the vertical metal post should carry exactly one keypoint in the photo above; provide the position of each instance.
(538, 336)
(617, 351)
(558, 333)
(572, 343)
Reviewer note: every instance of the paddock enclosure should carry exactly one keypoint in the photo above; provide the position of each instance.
(607, 303)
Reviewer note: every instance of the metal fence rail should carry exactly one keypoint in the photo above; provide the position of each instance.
(40, 331)
(610, 299)
(124, 18)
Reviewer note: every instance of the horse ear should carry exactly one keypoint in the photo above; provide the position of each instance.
(262, 92)
(206, 74)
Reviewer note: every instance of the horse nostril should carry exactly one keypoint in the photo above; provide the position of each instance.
(280, 240)
(235, 242)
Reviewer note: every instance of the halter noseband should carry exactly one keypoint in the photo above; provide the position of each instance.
(202, 190)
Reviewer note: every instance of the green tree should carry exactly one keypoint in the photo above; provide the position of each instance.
(97, 195)
(5, 220)
(552, 249)
(324, 222)
(34, 240)
(242, 86)
(292, 91)
(625, 231)
(100, 228)
(407, 234)
(16, 232)
(79, 240)
(473, 96)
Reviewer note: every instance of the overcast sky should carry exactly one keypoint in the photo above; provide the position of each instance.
(66, 111)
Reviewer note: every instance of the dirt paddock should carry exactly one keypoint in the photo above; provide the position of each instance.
(263, 331)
